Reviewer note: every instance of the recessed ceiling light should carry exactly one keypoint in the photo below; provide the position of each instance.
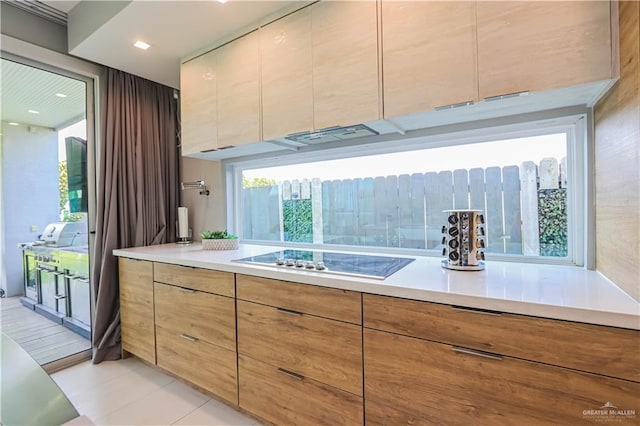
(61, 95)
(33, 111)
(222, 1)
(141, 45)
(13, 123)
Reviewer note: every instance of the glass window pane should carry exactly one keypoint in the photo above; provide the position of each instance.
(397, 199)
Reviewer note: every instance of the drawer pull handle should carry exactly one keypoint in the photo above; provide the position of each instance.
(482, 354)
(189, 338)
(59, 296)
(290, 312)
(476, 310)
(291, 374)
(187, 290)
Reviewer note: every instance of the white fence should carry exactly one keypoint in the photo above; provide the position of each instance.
(407, 210)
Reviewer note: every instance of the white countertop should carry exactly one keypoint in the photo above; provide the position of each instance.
(550, 291)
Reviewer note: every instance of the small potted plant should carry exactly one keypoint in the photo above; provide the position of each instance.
(218, 240)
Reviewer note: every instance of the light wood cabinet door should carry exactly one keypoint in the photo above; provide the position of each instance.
(342, 305)
(287, 80)
(531, 45)
(204, 316)
(414, 381)
(136, 308)
(345, 63)
(208, 280)
(208, 366)
(325, 350)
(198, 104)
(239, 92)
(611, 351)
(284, 398)
(428, 56)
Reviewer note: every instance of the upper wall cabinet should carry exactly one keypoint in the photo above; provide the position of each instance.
(287, 76)
(345, 63)
(198, 104)
(530, 46)
(239, 91)
(428, 56)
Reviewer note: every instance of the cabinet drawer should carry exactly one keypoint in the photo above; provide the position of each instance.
(195, 278)
(611, 351)
(427, 382)
(342, 305)
(287, 399)
(322, 349)
(136, 308)
(206, 316)
(208, 366)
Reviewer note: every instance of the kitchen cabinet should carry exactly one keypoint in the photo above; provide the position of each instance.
(416, 381)
(345, 63)
(299, 361)
(292, 353)
(208, 366)
(333, 303)
(531, 46)
(429, 55)
(285, 398)
(614, 352)
(433, 363)
(196, 327)
(206, 280)
(198, 103)
(136, 308)
(349, 62)
(318, 348)
(287, 75)
(196, 314)
(239, 92)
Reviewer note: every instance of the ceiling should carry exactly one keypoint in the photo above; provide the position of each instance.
(104, 32)
(26, 88)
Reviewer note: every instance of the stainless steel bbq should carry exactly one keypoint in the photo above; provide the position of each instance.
(56, 275)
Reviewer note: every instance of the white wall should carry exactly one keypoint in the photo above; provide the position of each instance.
(205, 212)
(29, 192)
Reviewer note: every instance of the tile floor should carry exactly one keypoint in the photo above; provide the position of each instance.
(128, 392)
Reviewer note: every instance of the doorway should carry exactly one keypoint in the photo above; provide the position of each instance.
(45, 186)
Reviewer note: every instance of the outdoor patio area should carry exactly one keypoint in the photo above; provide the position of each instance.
(45, 340)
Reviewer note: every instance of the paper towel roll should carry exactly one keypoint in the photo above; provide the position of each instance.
(183, 222)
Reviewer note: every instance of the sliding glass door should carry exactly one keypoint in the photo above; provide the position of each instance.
(46, 183)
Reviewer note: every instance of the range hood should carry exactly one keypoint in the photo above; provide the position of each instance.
(332, 134)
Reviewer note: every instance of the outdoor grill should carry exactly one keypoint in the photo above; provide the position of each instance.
(56, 275)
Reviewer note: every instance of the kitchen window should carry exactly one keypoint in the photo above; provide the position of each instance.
(391, 196)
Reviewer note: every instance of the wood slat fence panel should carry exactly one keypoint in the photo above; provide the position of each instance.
(511, 210)
(494, 210)
(407, 210)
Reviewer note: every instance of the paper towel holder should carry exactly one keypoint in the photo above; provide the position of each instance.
(196, 184)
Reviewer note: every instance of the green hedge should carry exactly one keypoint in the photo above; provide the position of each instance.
(298, 221)
(552, 214)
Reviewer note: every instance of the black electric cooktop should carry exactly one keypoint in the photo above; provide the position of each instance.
(360, 265)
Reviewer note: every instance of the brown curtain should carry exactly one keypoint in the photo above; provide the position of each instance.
(137, 189)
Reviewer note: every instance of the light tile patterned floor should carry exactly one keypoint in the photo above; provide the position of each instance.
(128, 392)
